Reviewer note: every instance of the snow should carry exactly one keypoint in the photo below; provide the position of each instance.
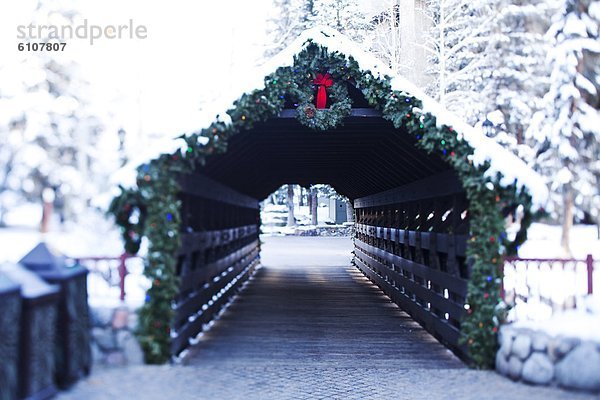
(563, 286)
(496, 117)
(579, 323)
(274, 219)
(92, 236)
(512, 169)
(543, 241)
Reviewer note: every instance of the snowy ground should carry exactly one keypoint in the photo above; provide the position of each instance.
(274, 219)
(544, 242)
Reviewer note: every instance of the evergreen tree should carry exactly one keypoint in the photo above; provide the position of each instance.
(567, 129)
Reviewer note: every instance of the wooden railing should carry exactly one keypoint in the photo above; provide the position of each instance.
(419, 272)
(212, 265)
(537, 287)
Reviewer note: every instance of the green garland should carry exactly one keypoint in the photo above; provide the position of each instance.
(158, 189)
(130, 213)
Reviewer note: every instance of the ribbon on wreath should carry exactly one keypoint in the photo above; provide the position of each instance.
(322, 82)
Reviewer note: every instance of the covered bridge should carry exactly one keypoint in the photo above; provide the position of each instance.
(432, 196)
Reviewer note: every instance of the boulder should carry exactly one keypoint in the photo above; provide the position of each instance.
(501, 363)
(104, 338)
(538, 369)
(505, 339)
(515, 366)
(521, 346)
(558, 347)
(130, 348)
(540, 342)
(100, 316)
(580, 369)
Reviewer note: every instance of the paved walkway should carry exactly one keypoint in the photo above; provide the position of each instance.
(308, 325)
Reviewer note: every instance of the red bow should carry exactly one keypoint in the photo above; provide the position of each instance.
(323, 82)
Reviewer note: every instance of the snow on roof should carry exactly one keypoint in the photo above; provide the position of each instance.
(511, 168)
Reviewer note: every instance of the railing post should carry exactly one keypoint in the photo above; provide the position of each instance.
(590, 273)
(122, 274)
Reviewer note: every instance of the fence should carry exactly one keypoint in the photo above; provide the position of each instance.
(537, 287)
(111, 270)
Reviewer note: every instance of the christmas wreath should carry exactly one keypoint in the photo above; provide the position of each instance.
(130, 214)
(318, 116)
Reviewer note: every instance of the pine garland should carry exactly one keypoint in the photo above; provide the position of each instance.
(157, 192)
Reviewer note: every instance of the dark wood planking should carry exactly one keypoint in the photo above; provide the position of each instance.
(318, 315)
(439, 185)
(283, 151)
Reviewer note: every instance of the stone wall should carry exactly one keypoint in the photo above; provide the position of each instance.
(113, 339)
(536, 358)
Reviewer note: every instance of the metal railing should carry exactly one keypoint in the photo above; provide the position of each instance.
(112, 269)
(537, 287)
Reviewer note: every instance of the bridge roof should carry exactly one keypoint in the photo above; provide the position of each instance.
(511, 168)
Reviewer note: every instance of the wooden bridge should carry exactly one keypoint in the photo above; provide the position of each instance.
(421, 203)
(411, 217)
(318, 311)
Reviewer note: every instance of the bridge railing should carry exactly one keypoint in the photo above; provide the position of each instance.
(212, 266)
(535, 288)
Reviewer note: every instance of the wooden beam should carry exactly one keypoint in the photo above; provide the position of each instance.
(202, 186)
(439, 185)
(355, 112)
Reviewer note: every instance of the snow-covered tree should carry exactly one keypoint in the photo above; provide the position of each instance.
(515, 76)
(345, 16)
(568, 128)
(290, 18)
(48, 129)
(460, 31)
(393, 36)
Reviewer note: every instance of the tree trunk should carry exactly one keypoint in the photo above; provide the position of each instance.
(314, 203)
(349, 211)
(567, 222)
(301, 200)
(48, 197)
(290, 203)
(408, 36)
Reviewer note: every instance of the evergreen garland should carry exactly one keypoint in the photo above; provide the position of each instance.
(158, 189)
(130, 213)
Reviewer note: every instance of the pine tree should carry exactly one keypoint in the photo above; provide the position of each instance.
(567, 129)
